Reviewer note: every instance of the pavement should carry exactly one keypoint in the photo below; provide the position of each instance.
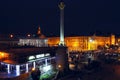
(13, 76)
(106, 72)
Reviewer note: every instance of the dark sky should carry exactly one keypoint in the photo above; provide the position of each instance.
(82, 17)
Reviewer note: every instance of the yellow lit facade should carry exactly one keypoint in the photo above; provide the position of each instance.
(3, 56)
(112, 39)
(81, 43)
(118, 41)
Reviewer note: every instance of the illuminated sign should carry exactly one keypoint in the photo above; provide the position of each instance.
(40, 55)
(47, 54)
(31, 57)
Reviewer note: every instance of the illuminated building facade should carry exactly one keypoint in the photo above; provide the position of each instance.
(112, 39)
(40, 41)
(37, 42)
(24, 60)
(79, 43)
(118, 41)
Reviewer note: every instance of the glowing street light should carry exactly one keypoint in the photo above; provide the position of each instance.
(28, 35)
(2, 54)
(91, 40)
(11, 35)
(33, 69)
(59, 66)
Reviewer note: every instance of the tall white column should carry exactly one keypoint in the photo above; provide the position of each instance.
(17, 70)
(27, 69)
(61, 6)
(34, 64)
(46, 63)
(8, 68)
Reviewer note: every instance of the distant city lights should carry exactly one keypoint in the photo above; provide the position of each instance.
(11, 35)
(28, 35)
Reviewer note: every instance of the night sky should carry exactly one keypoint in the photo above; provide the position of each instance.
(82, 17)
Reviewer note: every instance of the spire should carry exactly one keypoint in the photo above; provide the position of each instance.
(39, 31)
(39, 34)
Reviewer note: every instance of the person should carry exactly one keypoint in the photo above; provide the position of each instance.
(38, 73)
(35, 74)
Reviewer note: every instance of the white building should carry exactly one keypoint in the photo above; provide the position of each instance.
(37, 42)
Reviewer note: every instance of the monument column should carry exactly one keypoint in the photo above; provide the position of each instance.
(61, 50)
(61, 6)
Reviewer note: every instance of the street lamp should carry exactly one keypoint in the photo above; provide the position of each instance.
(28, 35)
(11, 36)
